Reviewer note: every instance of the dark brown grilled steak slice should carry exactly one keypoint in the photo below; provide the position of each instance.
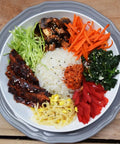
(27, 98)
(19, 67)
(22, 71)
(22, 82)
(16, 58)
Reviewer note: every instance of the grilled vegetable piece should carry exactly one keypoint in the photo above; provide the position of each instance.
(65, 20)
(23, 84)
(54, 31)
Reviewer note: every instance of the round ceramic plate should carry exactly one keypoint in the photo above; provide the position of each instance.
(20, 115)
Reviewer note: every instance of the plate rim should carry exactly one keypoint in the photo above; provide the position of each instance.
(46, 136)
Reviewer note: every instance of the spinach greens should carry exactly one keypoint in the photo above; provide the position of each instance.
(101, 68)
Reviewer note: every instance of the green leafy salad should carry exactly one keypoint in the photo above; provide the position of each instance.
(101, 68)
(28, 45)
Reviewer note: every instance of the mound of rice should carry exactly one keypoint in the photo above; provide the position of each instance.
(50, 71)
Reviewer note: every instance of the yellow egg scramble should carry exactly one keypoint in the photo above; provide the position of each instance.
(58, 112)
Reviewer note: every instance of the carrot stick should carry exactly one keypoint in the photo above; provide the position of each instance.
(84, 51)
(91, 26)
(78, 57)
(102, 32)
(109, 45)
(73, 28)
(74, 20)
(84, 38)
(99, 29)
(88, 40)
(71, 33)
(95, 45)
(79, 22)
(78, 36)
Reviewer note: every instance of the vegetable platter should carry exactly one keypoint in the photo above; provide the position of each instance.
(15, 114)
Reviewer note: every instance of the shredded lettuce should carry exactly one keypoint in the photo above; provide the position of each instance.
(30, 47)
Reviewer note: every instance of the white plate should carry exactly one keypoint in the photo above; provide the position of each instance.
(23, 112)
(15, 113)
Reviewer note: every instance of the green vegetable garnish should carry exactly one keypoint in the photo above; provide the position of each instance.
(5, 54)
(29, 46)
(101, 68)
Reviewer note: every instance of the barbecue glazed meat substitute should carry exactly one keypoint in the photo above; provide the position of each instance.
(54, 31)
(23, 84)
(19, 68)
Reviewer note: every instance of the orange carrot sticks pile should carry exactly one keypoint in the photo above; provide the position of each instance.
(84, 38)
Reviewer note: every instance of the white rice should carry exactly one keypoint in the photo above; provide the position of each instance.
(50, 71)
